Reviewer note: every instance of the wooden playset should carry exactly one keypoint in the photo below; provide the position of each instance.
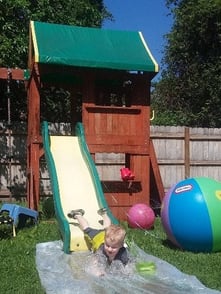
(112, 73)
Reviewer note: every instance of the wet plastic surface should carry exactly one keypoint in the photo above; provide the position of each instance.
(63, 274)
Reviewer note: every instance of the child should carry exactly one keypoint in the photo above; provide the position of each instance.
(108, 242)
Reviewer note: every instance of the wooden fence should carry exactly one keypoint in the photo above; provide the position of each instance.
(181, 153)
(187, 152)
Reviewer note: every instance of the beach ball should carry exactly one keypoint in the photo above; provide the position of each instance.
(140, 216)
(191, 214)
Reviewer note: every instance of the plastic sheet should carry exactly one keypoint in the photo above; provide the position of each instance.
(63, 274)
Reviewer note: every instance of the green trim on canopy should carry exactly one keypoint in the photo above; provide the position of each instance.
(91, 47)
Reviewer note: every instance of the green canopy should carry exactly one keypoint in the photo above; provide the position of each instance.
(91, 47)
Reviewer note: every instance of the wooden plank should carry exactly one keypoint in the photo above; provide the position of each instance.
(205, 163)
(121, 187)
(140, 166)
(16, 74)
(115, 139)
(156, 172)
(113, 109)
(5, 193)
(187, 152)
(108, 148)
(33, 141)
(120, 212)
(181, 136)
(172, 162)
(176, 136)
(119, 199)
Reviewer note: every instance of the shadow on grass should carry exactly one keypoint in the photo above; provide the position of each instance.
(167, 243)
(6, 231)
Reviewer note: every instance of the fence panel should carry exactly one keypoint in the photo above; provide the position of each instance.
(194, 152)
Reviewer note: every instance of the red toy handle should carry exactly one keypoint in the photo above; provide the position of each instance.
(126, 174)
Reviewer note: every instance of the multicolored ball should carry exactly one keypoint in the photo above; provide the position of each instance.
(191, 215)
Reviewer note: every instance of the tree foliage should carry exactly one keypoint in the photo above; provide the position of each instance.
(189, 92)
(15, 16)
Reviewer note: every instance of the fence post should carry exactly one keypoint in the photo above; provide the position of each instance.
(187, 152)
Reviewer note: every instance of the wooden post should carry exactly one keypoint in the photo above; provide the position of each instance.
(140, 165)
(156, 172)
(34, 141)
(187, 152)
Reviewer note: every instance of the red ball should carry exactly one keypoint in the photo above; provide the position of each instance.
(141, 216)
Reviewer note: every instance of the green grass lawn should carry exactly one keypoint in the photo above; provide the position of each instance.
(18, 268)
(17, 255)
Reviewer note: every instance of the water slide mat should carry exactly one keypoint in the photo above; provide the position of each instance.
(62, 273)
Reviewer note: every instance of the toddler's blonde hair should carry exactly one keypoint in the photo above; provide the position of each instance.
(115, 234)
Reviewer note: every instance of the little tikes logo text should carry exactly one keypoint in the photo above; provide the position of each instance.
(183, 189)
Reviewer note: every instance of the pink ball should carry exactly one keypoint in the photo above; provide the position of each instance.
(141, 216)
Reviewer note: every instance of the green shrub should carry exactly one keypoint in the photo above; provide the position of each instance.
(48, 208)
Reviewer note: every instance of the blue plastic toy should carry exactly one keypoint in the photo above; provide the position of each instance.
(16, 213)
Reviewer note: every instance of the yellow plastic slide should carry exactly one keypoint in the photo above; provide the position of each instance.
(75, 184)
